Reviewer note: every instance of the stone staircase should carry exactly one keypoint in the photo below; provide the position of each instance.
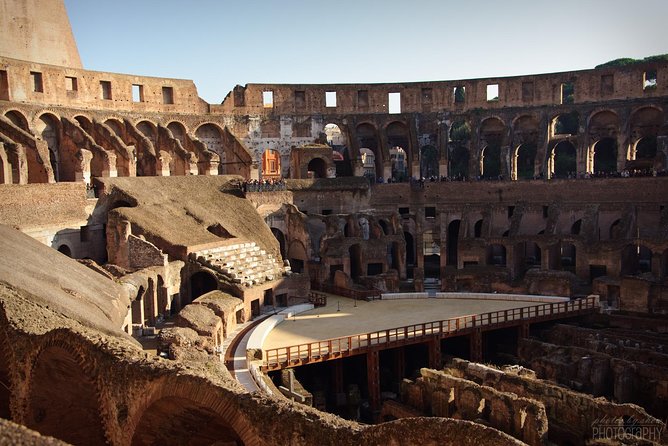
(243, 262)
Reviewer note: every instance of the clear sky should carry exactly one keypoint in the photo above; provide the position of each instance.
(221, 43)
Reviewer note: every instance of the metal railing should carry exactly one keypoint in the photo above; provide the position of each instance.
(277, 358)
(347, 292)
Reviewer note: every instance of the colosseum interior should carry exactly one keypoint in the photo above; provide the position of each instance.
(486, 263)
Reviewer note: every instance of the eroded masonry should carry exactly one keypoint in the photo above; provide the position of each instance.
(415, 263)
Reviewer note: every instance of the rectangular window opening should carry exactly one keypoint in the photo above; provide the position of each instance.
(4, 86)
(137, 93)
(404, 211)
(492, 92)
(394, 103)
(330, 99)
(567, 93)
(545, 211)
(326, 212)
(71, 83)
(37, 85)
(268, 99)
(430, 212)
(363, 98)
(167, 95)
(607, 85)
(527, 91)
(459, 93)
(105, 87)
(300, 98)
(84, 233)
(649, 80)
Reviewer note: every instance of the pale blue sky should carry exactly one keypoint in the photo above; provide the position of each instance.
(221, 43)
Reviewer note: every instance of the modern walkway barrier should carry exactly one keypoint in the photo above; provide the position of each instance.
(291, 356)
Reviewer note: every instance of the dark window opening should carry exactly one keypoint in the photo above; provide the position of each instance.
(300, 98)
(167, 95)
(460, 94)
(326, 212)
(71, 83)
(527, 91)
(4, 86)
(37, 84)
(567, 93)
(404, 211)
(363, 98)
(545, 211)
(607, 85)
(373, 269)
(511, 211)
(105, 88)
(84, 234)
(430, 212)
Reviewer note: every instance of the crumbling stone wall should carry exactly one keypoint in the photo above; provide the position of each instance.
(571, 414)
(440, 394)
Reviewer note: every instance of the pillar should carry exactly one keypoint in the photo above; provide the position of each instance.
(476, 345)
(373, 379)
(434, 353)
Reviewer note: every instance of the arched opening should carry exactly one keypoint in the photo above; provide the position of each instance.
(477, 229)
(490, 166)
(566, 124)
(148, 130)
(576, 227)
(453, 241)
(318, 167)
(271, 165)
(64, 249)
(431, 250)
(48, 129)
(429, 162)
(664, 265)
(565, 160)
(532, 254)
(85, 123)
(458, 150)
(18, 120)
(201, 283)
(178, 132)
(211, 136)
(605, 156)
(394, 260)
(337, 140)
(399, 150)
(616, 230)
(369, 163)
(399, 162)
(355, 253)
(496, 255)
(297, 256)
(384, 226)
(177, 421)
(281, 240)
(367, 137)
(525, 157)
(645, 152)
(568, 257)
(63, 400)
(116, 126)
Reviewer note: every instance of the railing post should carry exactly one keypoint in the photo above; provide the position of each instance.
(287, 354)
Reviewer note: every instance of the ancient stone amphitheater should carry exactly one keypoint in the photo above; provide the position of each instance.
(302, 265)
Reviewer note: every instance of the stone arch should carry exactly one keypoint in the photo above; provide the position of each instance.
(179, 131)
(398, 140)
(410, 248)
(211, 135)
(297, 255)
(492, 134)
(636, 259)
(645, 126)
(178, 412)
(319, 168)
(576, 227)
(604, 156)
(459, 137)
(524, 161)
(568, 257)
(565, 124)
(65, 249)
(201, 283)
(616, 231)
(563, 160)
(117, 126)
(48, 128)
(337, 139)
(84, 122)
(367, 137)
(18, 119)
(477, 229)
(149, 130)
(525, 137)
(63, 398)
(281, 241)
(368, 163)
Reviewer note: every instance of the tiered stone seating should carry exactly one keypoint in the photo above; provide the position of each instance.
(243, 262)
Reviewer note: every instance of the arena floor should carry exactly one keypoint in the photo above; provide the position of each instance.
(343, 317)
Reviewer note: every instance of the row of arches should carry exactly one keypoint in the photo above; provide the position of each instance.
(519, 150)
(118, 148)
